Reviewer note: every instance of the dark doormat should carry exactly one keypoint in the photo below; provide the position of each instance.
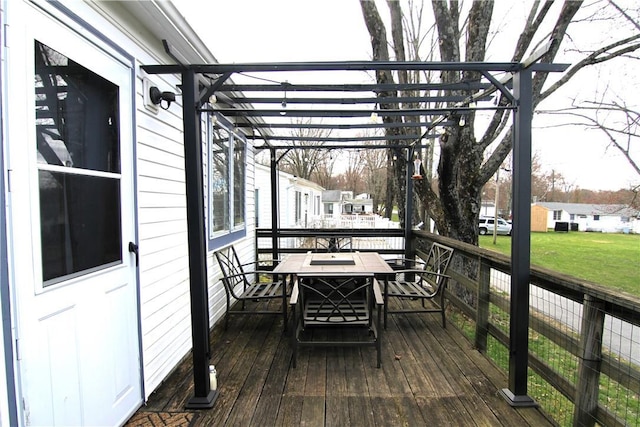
(158, 419)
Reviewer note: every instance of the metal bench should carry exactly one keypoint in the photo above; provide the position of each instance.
(250, 286)
(425, 281)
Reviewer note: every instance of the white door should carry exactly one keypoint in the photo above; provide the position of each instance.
(71, 208)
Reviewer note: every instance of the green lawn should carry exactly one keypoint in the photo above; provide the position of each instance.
(612, 260)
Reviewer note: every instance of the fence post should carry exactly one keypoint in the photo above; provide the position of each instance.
(482, 312)
(587, 387)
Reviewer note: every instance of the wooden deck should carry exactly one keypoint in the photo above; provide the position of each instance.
(429, 376)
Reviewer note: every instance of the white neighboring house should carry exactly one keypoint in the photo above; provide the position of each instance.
(594, 217)
(90, 169)
(338, 202)
(299, 204)
(360, 204)
(332, 201)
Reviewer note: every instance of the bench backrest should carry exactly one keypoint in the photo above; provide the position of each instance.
(438, 261)
(334, 244)
(334, 300)
(233, 273)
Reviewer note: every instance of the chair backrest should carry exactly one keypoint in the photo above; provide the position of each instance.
(334, 300)
(232, 272)
(438, 260)
(334, 244)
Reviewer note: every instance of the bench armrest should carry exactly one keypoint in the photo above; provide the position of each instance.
(295, 292)
(421, 272)
(377, 293)
(251, 273)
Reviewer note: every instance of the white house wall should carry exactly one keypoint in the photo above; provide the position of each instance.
(165, 322)
(288, 185)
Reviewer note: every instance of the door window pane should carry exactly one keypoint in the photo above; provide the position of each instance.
(80, 223)
(76, 114)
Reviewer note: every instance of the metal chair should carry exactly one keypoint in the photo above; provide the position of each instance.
(334, 244)
(336, 302)
(249, 286)
(425, 281)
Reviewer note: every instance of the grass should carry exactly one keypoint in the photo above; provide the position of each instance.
(611, 260)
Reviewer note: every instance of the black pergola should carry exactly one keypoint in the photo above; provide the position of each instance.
(346, 106)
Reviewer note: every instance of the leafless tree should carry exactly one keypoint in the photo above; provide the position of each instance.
(374, 171)
(620, 125)
(306, 155)
(323, 175)
(463, 35)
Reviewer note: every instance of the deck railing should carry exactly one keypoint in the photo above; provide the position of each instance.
(584, 339)
(389, 241)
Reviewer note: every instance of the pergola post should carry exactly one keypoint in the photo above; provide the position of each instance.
(408, 246)
(516, 394)
(203, 397)
(274, 203)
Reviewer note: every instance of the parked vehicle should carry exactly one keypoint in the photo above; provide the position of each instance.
(486, 225)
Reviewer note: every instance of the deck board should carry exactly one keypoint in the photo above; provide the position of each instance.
(429, 376)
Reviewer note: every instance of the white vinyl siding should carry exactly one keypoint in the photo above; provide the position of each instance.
(162, 238)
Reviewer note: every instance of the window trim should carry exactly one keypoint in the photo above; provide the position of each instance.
(232, 232)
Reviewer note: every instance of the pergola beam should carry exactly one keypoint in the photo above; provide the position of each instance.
(343, 113)
(348, 101)
(353, 87)
(343, 139)
(342, 126)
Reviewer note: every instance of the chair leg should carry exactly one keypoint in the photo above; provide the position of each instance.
(444, 320)
(379, 336)
(294, 337)
(386, 301)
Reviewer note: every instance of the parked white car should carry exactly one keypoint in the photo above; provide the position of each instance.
(486, 224)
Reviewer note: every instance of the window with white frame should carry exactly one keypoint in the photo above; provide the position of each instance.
(557, 215)
(226, 183)
(298, 207)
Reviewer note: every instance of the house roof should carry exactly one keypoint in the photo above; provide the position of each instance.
(591, 209)
(332, 196)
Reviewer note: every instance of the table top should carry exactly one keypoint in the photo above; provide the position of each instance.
(334, 264)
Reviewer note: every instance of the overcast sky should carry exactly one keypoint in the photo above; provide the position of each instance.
(334, 30)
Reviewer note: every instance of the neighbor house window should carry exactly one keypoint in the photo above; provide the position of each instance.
(328, 208)
(298, 214)
(596, 217)
(557, 215)
(226, 183)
